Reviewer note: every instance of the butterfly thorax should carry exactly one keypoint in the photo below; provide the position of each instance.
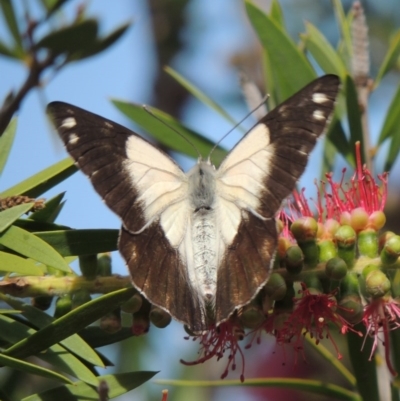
(204, 232)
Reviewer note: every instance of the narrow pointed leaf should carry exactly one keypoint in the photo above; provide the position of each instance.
(81, 242)
(198, 94)
(46, 179)
(71, 39)
(6, 141)
(276, 13)
(8, 52)
(101, 44)
(15, 264)
(31, 368)
(8, 216)
(353, 112)
(70, 323)
(118, 384)
(337, 137)
(322, 51)
(331, 391)
(390, 59)
(11, 20)
(391, 126)
(40, 319)
(282, 54)
(51, 210)
(13, 331)
(345, 31)
(31, 246)
(165, 135)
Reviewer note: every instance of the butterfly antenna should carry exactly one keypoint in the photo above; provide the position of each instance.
(263, 100)
(145, 108)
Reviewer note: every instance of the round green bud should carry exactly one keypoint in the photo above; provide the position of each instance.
(159, 317)
(327, 250)
(351, 308)
(377, 284)
(294, 259)
(275, 287)
(391, 250)
(63, 306)
(345, 236)
(251, 316)
(304, 229)
(133, 304)
(368, 243)
(336, 268)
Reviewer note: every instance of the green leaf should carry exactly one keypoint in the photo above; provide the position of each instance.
(346, 46)
(33, 226)
(391, 126)
(15, 264)
(337, 137)
(70, 323)
(6, 141)
(81, 242)
(13, 331)
(9, 52)
(8, 216)
(72, 39)
(276, 13)
(97, 337)
(101, 44)
(41, 182)
(11, 20)
(51, 210)
(353, 112)
(331, 391)
(390, 59)
(163, 134)
(31, 246)
(198, 94)
(282, 55)
(118, 384)
(31, 368)
(40, 319)
(393, 153)
(322, 51)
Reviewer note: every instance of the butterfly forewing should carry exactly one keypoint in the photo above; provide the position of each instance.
(159, 207)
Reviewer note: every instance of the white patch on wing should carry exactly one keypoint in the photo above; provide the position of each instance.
(241, 177)
(68, 123)
(319, 98)
(318, 115)
(73, 139)
(162, 187)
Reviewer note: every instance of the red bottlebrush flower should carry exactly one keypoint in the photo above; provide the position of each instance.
(312, 313)
(219, 340)
(380, 316)
(359, 203)
(361, 195)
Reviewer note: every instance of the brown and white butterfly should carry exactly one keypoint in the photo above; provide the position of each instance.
(199, 245)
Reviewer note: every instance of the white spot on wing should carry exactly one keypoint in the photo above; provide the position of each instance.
(73, 139)
(108, 125)
(68, 123)
(318, 115)
(319, 98)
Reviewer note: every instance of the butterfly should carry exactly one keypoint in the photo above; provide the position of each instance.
(200, 245)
